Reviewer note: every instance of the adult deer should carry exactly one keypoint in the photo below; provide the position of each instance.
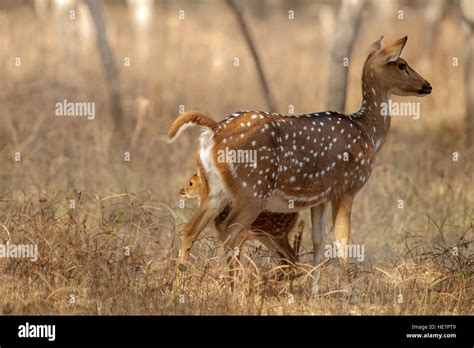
(304, 161)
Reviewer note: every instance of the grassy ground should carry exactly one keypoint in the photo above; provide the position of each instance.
(115, 251)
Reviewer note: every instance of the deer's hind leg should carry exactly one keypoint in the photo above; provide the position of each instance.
(239, 219)
(236, 223)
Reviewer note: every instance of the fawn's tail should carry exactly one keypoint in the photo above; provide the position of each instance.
(190, 118)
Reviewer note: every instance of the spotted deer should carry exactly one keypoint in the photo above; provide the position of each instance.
(271, 229)
(303, 161)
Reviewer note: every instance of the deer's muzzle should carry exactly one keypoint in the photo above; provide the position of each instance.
(426, 89)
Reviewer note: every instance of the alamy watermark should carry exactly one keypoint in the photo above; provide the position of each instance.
(13, 251)
(404, 109)
(352, 251)
(79, 109)
(28, 330)
(237, 156)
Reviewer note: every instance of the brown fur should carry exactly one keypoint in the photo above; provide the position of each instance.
(271, 229)
(194, 117)
(309, 160)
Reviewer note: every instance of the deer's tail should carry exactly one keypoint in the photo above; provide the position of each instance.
(188, 119)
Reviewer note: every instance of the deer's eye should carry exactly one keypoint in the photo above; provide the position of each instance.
(402, 66)
(190, 183)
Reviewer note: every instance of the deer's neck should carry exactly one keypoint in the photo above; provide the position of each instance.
(373, 115)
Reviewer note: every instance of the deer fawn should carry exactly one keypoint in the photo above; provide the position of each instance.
(271, 229)
(303, 161)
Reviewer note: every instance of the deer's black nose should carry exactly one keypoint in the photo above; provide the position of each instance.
(426, 89)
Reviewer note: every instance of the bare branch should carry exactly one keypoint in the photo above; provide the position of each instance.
(108, 61)
(348, 25)
(250, 43)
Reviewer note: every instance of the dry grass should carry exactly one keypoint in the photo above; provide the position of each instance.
(84, 254)
(123, 206)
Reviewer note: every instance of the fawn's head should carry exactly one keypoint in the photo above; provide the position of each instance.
(193, 188)
(392, 74)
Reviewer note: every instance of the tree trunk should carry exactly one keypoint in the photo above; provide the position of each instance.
(349, 20)
(434, 12)
(110, 66)
(250, 43)
(468, 23)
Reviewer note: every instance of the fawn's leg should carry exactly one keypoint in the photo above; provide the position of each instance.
(342, 229)
(194, 227)
(191, 231)
(297, 240)
(318, 226)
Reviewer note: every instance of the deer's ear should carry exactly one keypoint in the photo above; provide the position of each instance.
(376, 45)
(392, 52)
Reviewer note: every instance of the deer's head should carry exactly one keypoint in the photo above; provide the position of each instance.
(392, 74)
(192, 188)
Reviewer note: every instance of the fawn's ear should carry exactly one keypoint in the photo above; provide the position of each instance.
(392, 52)
(376, 45)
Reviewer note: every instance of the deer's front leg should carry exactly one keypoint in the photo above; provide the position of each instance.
(318, 226)
(342, 229)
